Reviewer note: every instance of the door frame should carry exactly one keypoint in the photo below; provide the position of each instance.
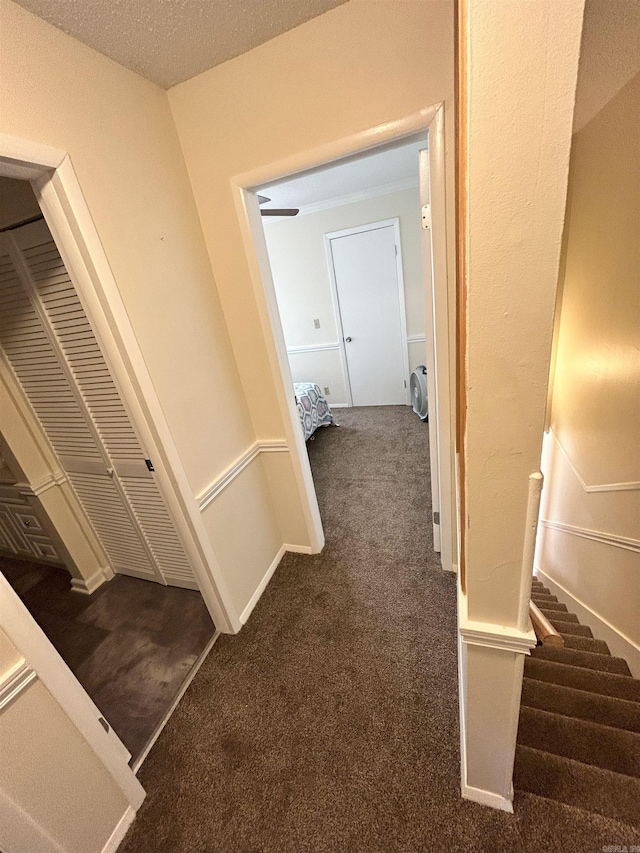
(335, 297)
(52, 176)
(244, 187)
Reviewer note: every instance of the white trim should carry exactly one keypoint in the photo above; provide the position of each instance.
(120, 830)
(56, 478)
(394, 222)
(262, 585)
(487, 798)
(492, 635)
(619, 644)
(87, 586)
(298, 549)
(14, 681)
(357, 195)
(221, 482)
(438, 333)
(416, 339)
(137, 764)
(312, 348)
(612, 539)
(602, 487)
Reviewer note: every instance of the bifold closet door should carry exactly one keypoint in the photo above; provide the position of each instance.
(50, 345)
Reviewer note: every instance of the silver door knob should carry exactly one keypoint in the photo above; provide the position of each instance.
(348, 340)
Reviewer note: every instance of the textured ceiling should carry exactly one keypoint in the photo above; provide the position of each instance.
(169, 41)
(609, 55)
(389, 168)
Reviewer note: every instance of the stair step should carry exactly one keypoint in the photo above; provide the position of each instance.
(540, 596)
(586, 644)
(539, 589)
(561, 616)
(582, 740)
(551, 606)
(589, 660)
(560, 699)
(576, 784)
(567, 627)
(582, 678)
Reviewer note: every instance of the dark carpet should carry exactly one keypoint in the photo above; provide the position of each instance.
(330, 723)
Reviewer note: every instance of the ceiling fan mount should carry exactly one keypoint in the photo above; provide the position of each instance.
(276, 211)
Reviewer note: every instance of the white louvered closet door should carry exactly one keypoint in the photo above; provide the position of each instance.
(48, 341)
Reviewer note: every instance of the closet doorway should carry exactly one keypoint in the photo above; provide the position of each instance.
(135, 630)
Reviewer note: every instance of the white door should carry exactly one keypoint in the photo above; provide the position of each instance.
(364, 266)
(48, 342)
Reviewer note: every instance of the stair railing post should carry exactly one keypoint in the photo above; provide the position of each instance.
(529, 548)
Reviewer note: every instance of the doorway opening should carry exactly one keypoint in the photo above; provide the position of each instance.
(87, 541)
(305, 204)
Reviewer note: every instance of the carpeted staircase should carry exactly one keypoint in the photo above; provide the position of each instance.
(579, 732)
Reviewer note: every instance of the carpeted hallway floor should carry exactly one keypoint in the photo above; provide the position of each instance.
(330, 723)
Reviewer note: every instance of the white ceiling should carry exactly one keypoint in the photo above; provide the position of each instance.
(368, 174)
(609, 55)
(168, 41)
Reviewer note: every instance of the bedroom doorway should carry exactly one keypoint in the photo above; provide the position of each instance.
(308, 346)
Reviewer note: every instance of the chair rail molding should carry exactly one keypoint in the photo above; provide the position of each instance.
(16, 679)
(312, 348)
(595, 487)
(416, 339)
(625, 542)
(221, 482)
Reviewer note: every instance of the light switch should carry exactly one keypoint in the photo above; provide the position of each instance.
(326, 390)
(316, 324)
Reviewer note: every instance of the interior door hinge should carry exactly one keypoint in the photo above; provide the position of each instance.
(436, 518)
(426, 217)
(396, 248)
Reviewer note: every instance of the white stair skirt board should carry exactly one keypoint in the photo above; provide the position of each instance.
(295, 549)
(137, 764)
(118, 834)
(619, 644)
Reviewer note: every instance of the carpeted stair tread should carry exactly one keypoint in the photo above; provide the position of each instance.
(541, 596)
(577, 657)
(577, 784)
(582, 678)
(582, 740)
(586, 644)
(560, 615)
(582, 704)
(565, 627)
(539, 589)
(551, 606)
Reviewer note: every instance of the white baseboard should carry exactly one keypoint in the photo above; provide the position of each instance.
(619, 645)
(262, 585)
(339, 406)
(137, 764)
(487, 798)
(116, 837)
(298, 549)
(86, 586)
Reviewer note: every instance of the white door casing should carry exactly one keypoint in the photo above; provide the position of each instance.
(366, 278)
(51, 347)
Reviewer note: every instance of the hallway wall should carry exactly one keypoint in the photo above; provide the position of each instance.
(120, 135)
(589, 538)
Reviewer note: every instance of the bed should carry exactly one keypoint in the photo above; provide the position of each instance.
(313, 408)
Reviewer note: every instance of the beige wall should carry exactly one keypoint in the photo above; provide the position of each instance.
(358, 66)
(298, 260)
(120, 135)
(592, 454)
